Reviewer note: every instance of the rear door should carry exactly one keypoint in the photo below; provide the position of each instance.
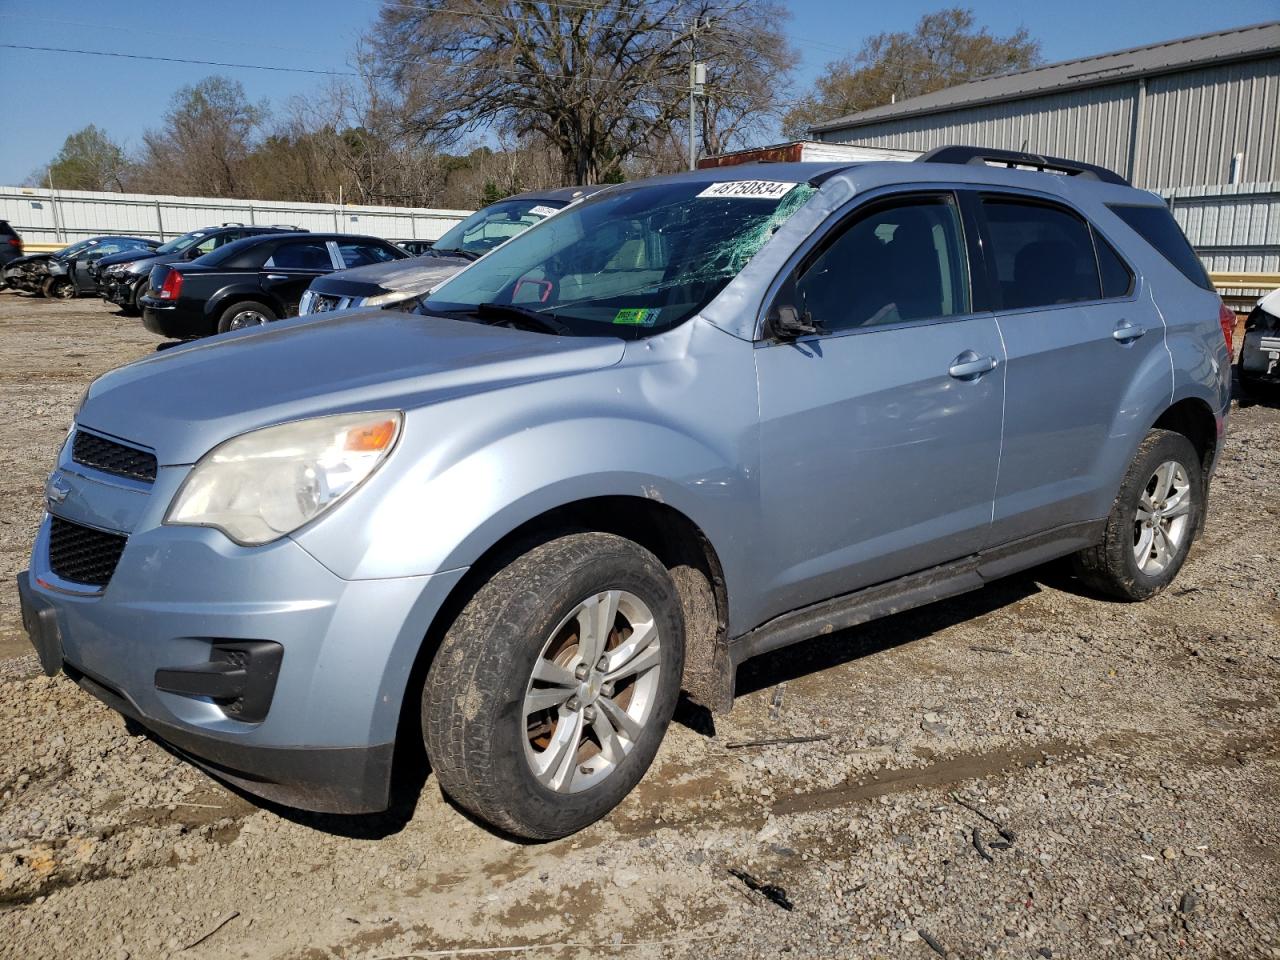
(290, 269)
(879, 436)
(1081, 343)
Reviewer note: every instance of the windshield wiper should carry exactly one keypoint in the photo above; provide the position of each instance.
(547, 321)
(456, 252)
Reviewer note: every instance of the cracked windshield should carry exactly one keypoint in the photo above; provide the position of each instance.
(629, 263)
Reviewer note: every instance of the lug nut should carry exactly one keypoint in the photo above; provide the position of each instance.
(573, 704)
(589, 714)
(602, 664)
(581, 672)
(606, 690)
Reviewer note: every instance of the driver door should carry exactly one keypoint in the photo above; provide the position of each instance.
(880, 434)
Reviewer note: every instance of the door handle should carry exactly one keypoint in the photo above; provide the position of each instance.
(1127, 332)
(970, 366)
(276, 276)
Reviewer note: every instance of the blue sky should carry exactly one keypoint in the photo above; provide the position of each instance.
(126, 96)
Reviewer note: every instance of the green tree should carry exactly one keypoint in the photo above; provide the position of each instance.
(88, 160)
(944, 49)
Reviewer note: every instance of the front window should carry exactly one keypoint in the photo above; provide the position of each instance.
(496, 223)
(629, 262)
(66, 253)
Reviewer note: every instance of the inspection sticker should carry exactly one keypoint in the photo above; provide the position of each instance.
(749, 189)
(637, 316)
(541, 211)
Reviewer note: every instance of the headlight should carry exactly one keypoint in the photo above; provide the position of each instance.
(259, 486)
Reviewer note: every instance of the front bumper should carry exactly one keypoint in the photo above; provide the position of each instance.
(325, 743)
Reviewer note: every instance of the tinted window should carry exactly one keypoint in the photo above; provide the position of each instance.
(362, 254)
(310, 255)
(1117, 280)
(1040, 255)
(1158, 228)
(490, 226)
(893, 264)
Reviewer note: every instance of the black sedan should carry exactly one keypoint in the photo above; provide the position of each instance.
(122, 277)
(251, 281)
(64, 273)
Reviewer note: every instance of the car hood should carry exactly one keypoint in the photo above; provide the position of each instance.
(28, 259)
(128, 256)
(412, 277)
(185, 400)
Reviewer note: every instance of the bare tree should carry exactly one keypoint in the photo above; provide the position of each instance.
(945, 48)
(204, 144)
(601, 81)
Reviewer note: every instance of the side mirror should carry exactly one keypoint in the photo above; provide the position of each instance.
(786, 322)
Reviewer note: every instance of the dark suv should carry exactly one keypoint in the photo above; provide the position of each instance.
(251, 281)
(122, 277)
(10, 245)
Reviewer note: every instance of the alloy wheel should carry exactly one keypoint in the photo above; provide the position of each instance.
(1162, 522)
(592, 691)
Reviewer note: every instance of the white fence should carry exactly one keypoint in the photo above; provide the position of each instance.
(62, 216)
(1235, 228)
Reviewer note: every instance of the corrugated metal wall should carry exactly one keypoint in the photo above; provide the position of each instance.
(1192, 124)
(1091, 125)
(33, 212)
(1195, 122)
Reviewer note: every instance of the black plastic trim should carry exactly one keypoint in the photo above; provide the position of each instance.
(984, 156)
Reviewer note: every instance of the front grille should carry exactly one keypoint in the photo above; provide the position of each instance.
(82, 554)
(111, 457)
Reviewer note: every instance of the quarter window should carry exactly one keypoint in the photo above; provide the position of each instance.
(1039, 255)
(1117, 280)
(898, 262)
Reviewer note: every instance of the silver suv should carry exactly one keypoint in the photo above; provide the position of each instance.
(684, 422)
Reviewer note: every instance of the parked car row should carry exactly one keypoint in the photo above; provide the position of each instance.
(68, 272)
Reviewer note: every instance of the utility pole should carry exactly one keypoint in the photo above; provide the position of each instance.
(697, 86)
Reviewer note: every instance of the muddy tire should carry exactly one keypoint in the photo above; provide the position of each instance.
(553, 688)
(58, 288)
(245, 315)
(1152, 522)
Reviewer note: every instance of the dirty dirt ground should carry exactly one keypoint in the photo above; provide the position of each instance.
(1022, 772)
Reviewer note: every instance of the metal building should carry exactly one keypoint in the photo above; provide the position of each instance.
(1197, 112)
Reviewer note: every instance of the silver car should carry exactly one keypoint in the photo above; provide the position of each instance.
(684, 422)
(1260, 352)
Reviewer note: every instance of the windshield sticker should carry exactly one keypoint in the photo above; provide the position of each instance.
(637, 316)
(541, 211)
(749, 189)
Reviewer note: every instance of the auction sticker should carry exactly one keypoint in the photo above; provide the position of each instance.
(541, 211)
(749, 189)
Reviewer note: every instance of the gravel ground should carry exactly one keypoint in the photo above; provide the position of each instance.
(1022, 772)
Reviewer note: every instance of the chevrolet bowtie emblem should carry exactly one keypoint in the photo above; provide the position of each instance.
(57, 489)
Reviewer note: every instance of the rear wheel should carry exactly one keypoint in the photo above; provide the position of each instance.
(1152, 523)
(245, 314)
(552, 690)
(58, 288)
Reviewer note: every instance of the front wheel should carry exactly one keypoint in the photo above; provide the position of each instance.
(1152, 523)
(244, 315)
(59, 288)
(553, 688)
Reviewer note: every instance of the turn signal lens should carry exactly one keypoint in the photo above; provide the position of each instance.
(372, 438)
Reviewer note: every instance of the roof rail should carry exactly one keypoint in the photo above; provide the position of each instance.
(290, 226)
(1014, 159)
(233, 223)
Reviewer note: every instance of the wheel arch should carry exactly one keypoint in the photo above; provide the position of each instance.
(675, 539)
(1194, 418)
(218, 303)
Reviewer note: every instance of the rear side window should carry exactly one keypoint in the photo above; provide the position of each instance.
(1158, 228)
(1040, 255)
(310, 255)
(899, 262)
